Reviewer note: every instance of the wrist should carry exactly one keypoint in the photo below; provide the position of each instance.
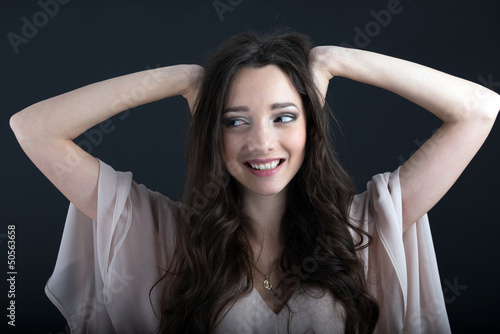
(331, 59)
(194, 75)
(340, 60)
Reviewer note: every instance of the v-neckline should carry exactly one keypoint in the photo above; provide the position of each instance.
(259, 296)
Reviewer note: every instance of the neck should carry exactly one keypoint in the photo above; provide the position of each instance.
(265, 234)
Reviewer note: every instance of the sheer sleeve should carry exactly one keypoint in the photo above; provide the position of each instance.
(401, 268)
(105, 269)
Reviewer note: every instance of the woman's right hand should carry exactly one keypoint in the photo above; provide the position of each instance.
(195, 74)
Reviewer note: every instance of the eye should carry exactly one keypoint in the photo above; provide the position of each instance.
(234, 122)
(288, 118)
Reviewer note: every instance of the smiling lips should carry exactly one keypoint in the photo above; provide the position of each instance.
(263, 168)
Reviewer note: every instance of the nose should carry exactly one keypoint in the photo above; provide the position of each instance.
(261, 138)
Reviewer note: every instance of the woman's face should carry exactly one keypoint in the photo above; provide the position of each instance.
(264, 130)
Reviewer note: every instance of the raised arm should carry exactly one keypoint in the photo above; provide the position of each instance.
(46, 129)
(468, 112)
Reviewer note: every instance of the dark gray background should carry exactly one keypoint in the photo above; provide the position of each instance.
(89, 41)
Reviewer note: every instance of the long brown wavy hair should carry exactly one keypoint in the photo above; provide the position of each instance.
(213, 258)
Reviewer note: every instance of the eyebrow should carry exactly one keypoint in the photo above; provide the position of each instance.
(274, 106)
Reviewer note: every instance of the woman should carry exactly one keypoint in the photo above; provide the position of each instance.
(269, 236)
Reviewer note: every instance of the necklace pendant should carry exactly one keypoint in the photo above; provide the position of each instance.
(267, 284)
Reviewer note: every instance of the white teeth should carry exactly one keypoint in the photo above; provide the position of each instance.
(267, 166)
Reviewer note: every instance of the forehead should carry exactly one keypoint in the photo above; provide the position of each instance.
(267, 84)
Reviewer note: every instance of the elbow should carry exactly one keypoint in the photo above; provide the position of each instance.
(487, 103)
(25, 129)
(495, 107)
(480, 105)
(24, 124)
(18, 126)
(15, 123)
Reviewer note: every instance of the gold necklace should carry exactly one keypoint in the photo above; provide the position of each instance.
(267, 282)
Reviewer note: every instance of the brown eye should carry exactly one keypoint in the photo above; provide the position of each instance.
(234, 122)
(285, 118)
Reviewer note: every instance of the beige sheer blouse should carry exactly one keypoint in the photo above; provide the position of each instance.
(105, 270)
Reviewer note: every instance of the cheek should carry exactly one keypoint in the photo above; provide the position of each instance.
(298, 141)
(229, 147)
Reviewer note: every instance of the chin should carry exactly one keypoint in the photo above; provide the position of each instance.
(267, 191)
